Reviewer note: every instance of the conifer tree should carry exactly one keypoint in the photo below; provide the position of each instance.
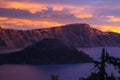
(100, 73)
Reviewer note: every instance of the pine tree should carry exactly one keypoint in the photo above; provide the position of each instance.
(100, 73)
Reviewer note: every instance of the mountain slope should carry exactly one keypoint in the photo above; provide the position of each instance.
(77, 35)
(47, 51)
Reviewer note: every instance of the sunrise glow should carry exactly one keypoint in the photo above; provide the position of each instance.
(110, 28)
(42, 14)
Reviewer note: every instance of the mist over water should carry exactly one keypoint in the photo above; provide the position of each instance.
(64, 71)
(95, 52)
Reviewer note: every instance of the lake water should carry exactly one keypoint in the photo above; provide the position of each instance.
(64, 72)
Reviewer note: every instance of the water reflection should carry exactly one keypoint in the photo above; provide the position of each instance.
(18, 72)
(44, 72)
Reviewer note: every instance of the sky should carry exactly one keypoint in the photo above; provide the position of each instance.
(31, 14)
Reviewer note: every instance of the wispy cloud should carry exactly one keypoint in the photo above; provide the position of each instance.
(49, 13)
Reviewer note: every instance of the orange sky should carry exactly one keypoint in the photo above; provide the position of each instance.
(28, 14)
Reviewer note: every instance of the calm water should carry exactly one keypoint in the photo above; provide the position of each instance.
(95, 52)
(65, 72)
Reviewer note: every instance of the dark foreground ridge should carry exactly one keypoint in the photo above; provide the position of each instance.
(47, 51)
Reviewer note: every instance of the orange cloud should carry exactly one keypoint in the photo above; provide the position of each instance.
(113, 18)
(29, 23)
(35, 7)
(32, 7)
(58, 8)
(3, 18)
(81, 12)
(83, 15)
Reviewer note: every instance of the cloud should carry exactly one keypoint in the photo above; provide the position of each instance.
(107, 12)
(113, 19)
(3, 18)
(83, 15)
(23, 5)
(47, 15)
(22, 23)
(15, 13)
(97, 13)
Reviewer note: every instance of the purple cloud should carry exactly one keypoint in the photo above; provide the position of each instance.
(99, 9)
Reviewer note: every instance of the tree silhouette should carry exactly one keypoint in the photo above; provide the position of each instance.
(100, 65)
(54, 77)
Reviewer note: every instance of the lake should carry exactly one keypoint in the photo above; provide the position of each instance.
(64, 71)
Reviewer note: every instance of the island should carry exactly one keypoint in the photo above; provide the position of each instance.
(46, 51)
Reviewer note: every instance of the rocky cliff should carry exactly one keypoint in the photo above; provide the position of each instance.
(77, 35)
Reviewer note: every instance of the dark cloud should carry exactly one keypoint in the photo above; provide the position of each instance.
(80, 2)
(15, 13)
(70, 1)
(108, 12)
(48, 15)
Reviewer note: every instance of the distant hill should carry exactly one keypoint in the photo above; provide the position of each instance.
(47, 51)
(77, 35)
